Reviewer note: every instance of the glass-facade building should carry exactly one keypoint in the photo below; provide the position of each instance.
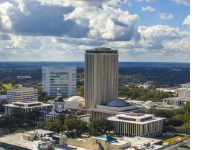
(59, 78)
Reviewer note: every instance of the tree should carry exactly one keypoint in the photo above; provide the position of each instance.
(1, 105)
(33, 116)
(71, 116)
(102, 126)
(173, 122)
(61, 117)
(41, 124)
(160, 113)
(187, 107)
(75, 126)
(179, 111)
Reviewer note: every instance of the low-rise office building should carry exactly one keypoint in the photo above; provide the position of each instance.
(22, 94)
(26, 106)
(183, 96)
(137, 124)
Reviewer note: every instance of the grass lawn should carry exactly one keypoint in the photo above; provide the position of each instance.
(9, 86)
(164, 137)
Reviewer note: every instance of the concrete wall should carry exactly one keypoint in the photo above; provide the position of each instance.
(104, 107)
(101, 78)
(93, 144)
(85, 144)
(184, 94)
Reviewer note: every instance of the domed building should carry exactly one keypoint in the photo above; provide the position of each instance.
(110, 109)
(75, 102)
(58, 108)
(149, 104)
(58, 103)
(116, 103)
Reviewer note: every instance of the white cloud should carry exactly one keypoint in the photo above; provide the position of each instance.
(148, 8)
(185, 2)
(81, 3)
(164, 16)
(153, 38)
(187, 20)
(106, 23)
(59, 18)
(146, 0)
(62, 30)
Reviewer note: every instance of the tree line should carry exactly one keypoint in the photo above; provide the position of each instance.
(75, 127)
(177, 120)
(142, 94)
(18, 118)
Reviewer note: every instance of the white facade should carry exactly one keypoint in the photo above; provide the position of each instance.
(62, 78)
(26, 106)
(22, 94)
(137, 124)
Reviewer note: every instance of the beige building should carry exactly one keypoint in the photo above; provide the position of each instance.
(137, 124)
(187, 85)
(183, 96)
(21, 94)
(101, 76)
(104, 142)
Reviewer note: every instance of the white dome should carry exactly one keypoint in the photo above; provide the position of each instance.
(150, 104)
(76, 99)
(116, 103)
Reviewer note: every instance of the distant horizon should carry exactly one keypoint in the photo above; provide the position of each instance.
(118, 61)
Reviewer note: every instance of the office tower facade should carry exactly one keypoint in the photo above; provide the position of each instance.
(22, 94)
(59, 78)
(101, 76)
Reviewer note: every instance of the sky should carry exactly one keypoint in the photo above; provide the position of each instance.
(61, 30)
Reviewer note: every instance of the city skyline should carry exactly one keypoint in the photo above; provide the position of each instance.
(141, 30)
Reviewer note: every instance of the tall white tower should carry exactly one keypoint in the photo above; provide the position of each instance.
(101, 76)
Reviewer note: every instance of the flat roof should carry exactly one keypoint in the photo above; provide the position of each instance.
(113, 118)
(101, 50)
(176, 99)
(135, 115)
(17, 139)
(138, 141)
(23, 105)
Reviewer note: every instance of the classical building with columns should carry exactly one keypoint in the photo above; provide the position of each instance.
(137, 124)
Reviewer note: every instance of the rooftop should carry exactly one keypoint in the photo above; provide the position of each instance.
(101, 50)
(17, 139)
(138, 141)
(176, 99)
(27, 104)
(136, 119)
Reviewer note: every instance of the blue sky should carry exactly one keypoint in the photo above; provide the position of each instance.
(61, 30)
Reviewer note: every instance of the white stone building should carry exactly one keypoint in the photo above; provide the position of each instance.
(137, 124)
